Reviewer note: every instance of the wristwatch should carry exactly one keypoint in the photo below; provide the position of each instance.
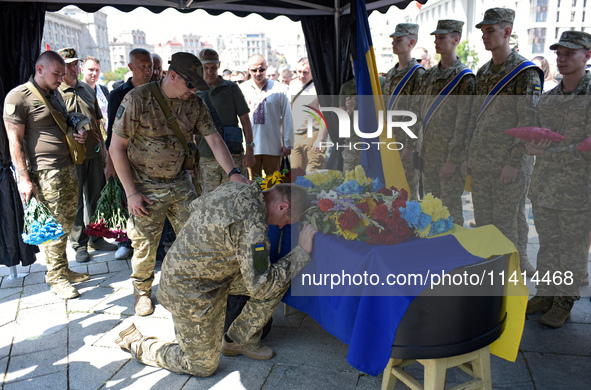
(251, 144)
(233, 171)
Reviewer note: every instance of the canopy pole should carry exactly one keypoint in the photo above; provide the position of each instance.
(337, 27)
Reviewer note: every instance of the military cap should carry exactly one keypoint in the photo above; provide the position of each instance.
(497, 15)
(574, 40)
(209, 56)
(68, 54)
(188, 65)
(403, 29)
(446, 26)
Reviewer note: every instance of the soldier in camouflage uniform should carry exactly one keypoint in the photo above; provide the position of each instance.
(495, 159)
(149, 159)
(51, 176)
(224, 249)
(442, 142)
(404, 40)
(561, 184)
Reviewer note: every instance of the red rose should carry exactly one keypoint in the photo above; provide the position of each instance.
(380, 213)
(376, 235)
(325, 205)
(403, 194)
(400, 228)
(348, 219)
(363, 207)
(400, 201)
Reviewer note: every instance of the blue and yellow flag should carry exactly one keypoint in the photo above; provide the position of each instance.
(378, 162)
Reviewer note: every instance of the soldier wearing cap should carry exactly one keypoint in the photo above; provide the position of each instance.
(495, 159)
(443, 137)
(561, 181)
(224, 249)
(80, 97)
(404, 40)
(149, 161)
(230, 107)
(34, 135)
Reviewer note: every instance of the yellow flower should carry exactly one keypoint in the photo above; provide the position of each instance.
(273, 179)
(423, 233)
(319, 178)
(347, 234)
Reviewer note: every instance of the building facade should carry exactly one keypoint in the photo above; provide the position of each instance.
(86, 32)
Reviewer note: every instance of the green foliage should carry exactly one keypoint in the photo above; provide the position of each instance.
(118, 74)
(467, 54)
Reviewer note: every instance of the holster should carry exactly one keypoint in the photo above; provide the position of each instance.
(192, 158)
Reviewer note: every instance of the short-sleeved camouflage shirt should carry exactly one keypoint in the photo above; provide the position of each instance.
(154, 151)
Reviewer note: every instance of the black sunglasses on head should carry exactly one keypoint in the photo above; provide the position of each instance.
(189, 84)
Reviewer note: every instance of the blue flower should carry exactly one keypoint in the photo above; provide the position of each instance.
(303, 182)
(424, 221)
(411, 213)
(376, 184)
(350, 187)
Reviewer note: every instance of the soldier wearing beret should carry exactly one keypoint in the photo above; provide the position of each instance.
(34, 135)
(224, 249)
(444, 130)
(494, 159)
(404, 39)
(560, 186)
(149, 161)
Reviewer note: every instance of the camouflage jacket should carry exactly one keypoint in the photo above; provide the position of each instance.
(155, 153)
(221, 242)
(412, 87)
(561, 179)
(444, 140)
(490, 148)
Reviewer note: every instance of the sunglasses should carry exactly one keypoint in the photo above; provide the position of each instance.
(259, 70)
(187, 82)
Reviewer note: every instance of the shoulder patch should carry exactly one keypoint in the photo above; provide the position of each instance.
(9, 108)
(120, 111)
(536, 95)
(260, 257)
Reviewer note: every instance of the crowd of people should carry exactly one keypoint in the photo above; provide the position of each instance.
(179, 142)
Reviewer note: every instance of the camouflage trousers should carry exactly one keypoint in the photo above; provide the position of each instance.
(496, 203)
(522, 225)
(170, 200)
(412, 178)
(211, 174)
(449, 190)
(58, 190)
(198, 346)
(302, 155)
(351, 158)
(563, 247)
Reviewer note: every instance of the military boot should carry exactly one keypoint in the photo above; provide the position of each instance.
(128, 336)
(556, 317)
(539, 303)
(63, 289)
(260, 352)
(76, 277)
(143, 305)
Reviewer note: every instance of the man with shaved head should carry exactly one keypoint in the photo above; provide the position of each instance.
(35, 136)
(270, 114)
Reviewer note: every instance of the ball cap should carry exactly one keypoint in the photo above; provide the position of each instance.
(209, 56)
(403, 29)
(188, 65)
(446, 26)
(497, 15)
(68, 54)
(574, 40)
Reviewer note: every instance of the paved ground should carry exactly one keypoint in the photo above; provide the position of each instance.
(46, 343)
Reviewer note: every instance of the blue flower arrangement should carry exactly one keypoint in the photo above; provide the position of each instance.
(40, 226)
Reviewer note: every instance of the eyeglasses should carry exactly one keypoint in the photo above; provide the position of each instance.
(259, 70)
(187, 82)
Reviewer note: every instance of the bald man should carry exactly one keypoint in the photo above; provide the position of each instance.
(34, 134)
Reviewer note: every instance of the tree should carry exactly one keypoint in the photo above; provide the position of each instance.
(467, 54)
(118, 74)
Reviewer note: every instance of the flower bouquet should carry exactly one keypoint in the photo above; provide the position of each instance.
(110, 218)
(40, 226)
(356, 207)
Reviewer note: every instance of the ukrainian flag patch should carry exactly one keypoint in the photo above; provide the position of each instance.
(260, 257)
